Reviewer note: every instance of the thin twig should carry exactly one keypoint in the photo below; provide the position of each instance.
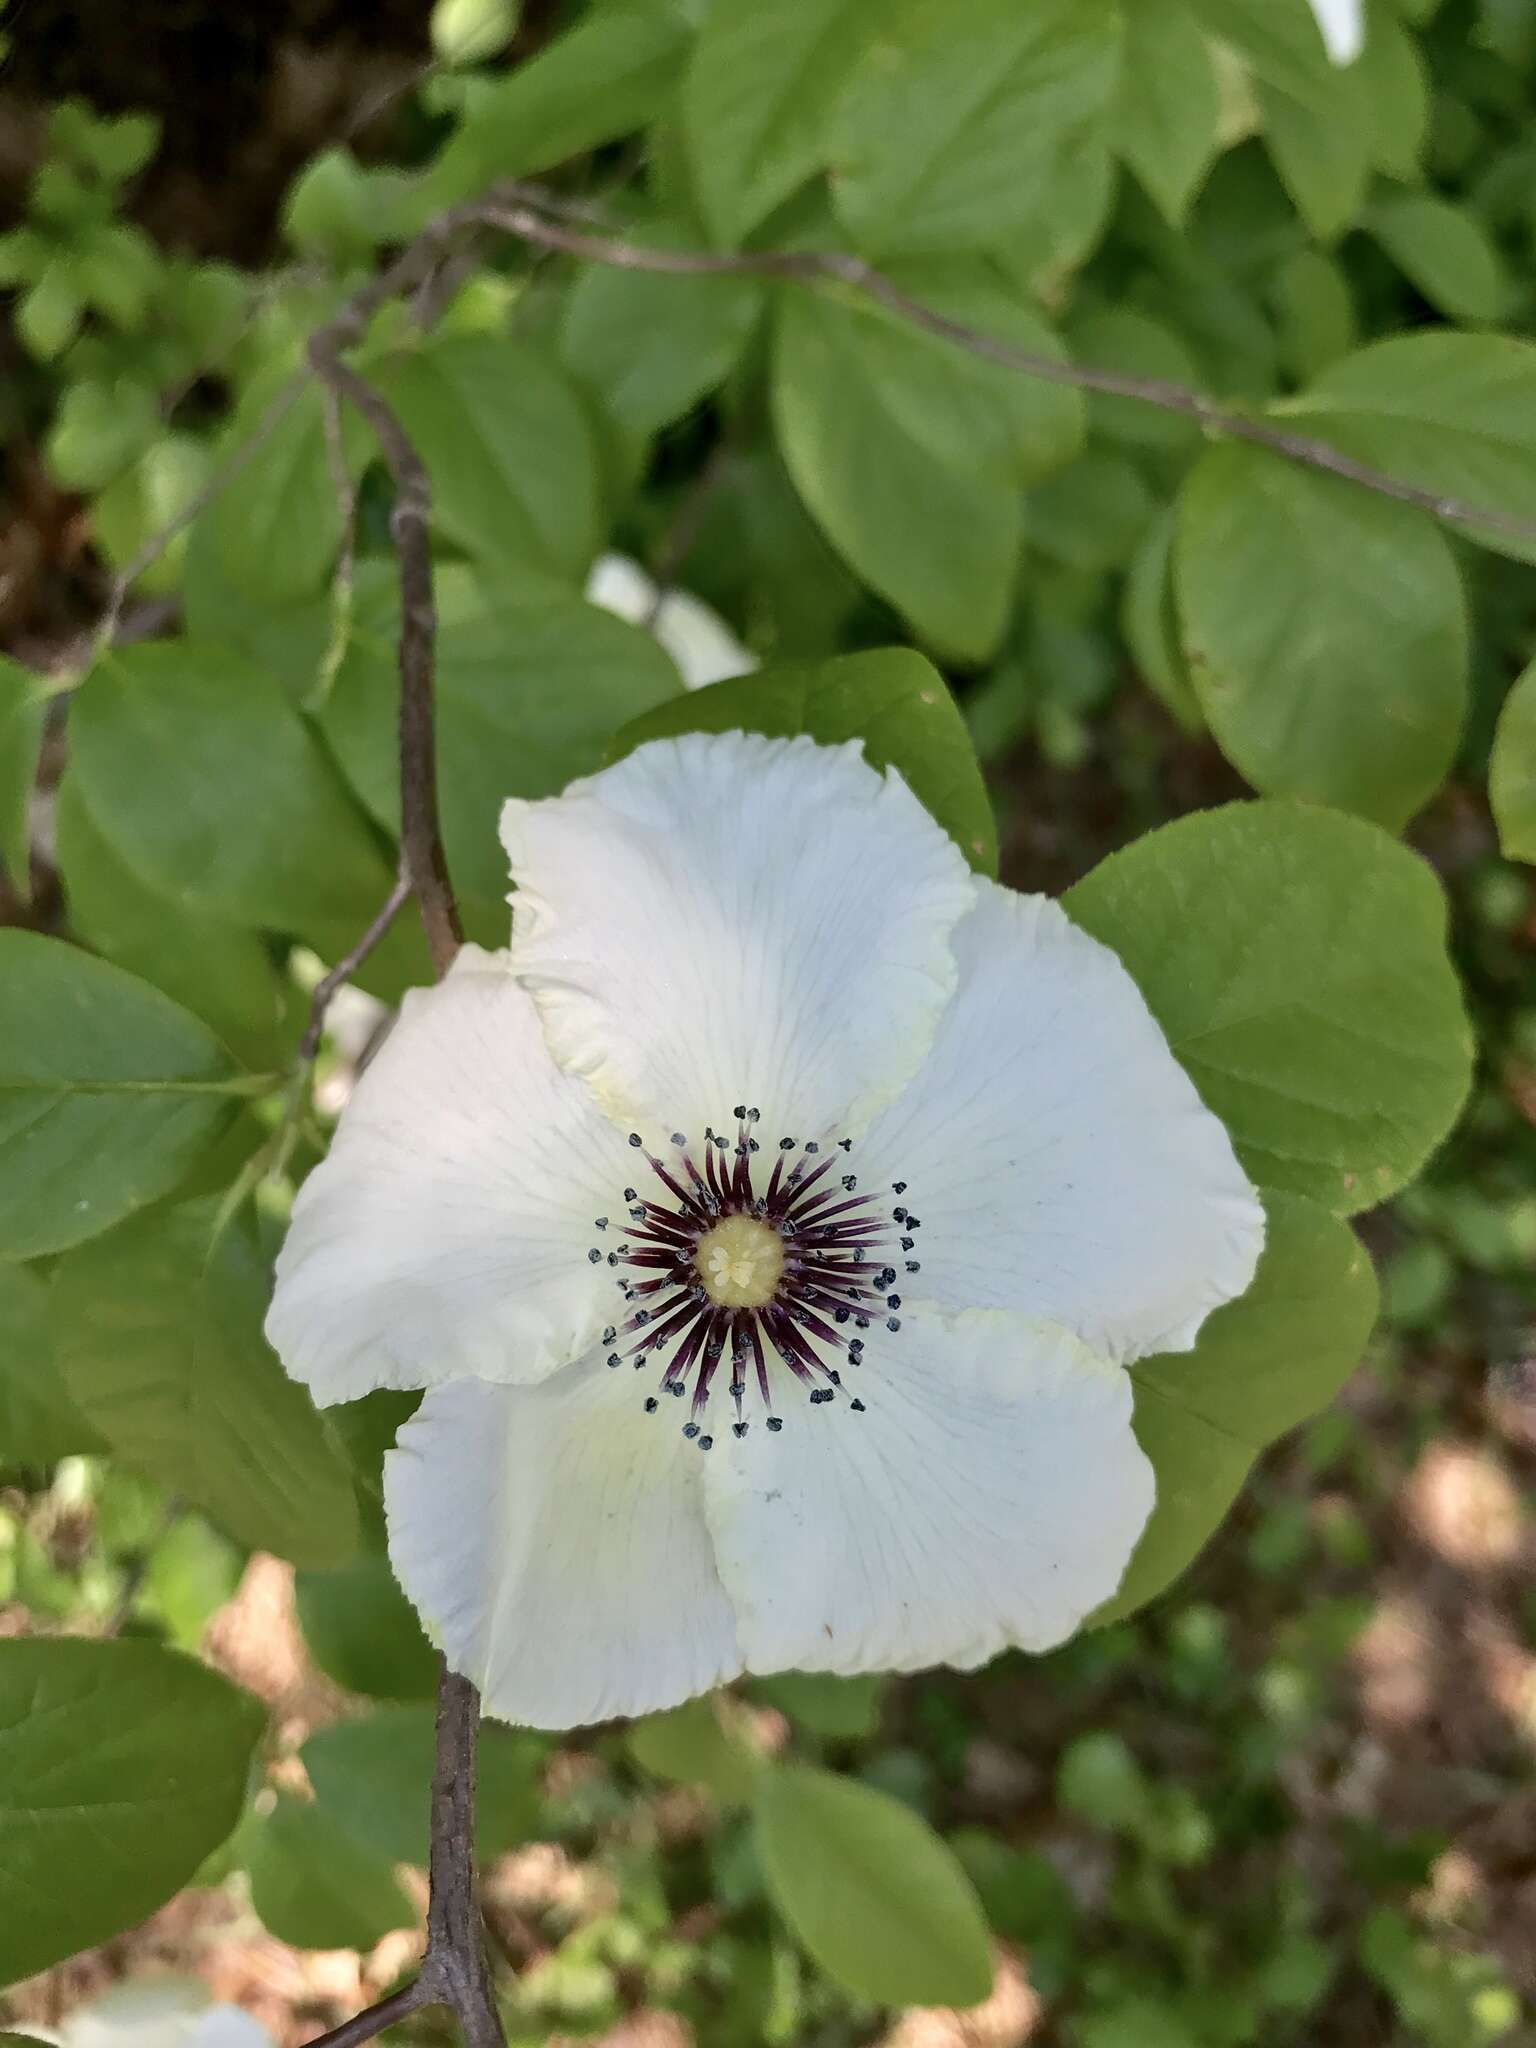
(328, 984)
(421, 845)
(823, 266)
(375, 2018)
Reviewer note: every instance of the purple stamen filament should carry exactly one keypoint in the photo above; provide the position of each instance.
(812, 1254)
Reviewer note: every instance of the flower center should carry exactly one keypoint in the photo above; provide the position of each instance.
(740, 1262)
(715, 1270)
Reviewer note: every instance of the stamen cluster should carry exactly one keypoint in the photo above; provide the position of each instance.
(836, 1277)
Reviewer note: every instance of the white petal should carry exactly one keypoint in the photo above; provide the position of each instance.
(553, 1540)
(448, 1230)
(725, 919)
(1343, 25)
(701, 644)
(1057, 1156)
(990, 1494)
(699, 641)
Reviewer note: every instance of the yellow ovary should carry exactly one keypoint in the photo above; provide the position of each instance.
(739, 1262)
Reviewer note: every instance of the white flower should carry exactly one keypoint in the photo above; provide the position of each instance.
(770, 1226)
(702, 646)
(1343, 25)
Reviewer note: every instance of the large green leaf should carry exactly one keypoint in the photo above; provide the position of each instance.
(1452, 413)
(910, 456)
(954, 117)
(1325, 633)
(1296, 959)
(651, 346)
(1260, 1365)
(121, 1767)
(1512, 770)
(315, 1887)
(1167, 118)
(363, 1632)
(508, 447)
(158, 1333)
(757, 102)
(39, 1423)
(528, 696)
(278, 524)
(221, 972)
(109, 1093)
(197, 767)
(871, 1891)
(23, 703)
(890, 698)
(373, 1777)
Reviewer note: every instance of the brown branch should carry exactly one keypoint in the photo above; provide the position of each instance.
(344, 969)
(454, 1971)
(530, 222)
(421, 845)
(375, 2018)
(456, 1962)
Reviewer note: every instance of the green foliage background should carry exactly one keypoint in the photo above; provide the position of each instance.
(1112, 643)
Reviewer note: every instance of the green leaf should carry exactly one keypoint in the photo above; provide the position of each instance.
(109, 1093)
(313, 1886)
(163, 737)
(157, 1327)
(1167, 121)
(23, 707)
(1362, 706)
(757, 102)
(1445, 251)
(145, 500)
(1512, 770)
(864, 417)
(839, 1709)
(363, 1632)
(326, 212)
(1260, 1365)
(219, 971)
(890, 698)
(1296, 960)
(871, 1891)
(49, 311)
(952, 117)
(528, 696)
(1395, 88)
(1321, 146)
(39, 1423)
(650, 346)
(1452, 413)
(99, 429)
(279, 523)
(511, 455)
(373, 1777)
(603, 78)
(700, 1743)
(121, 1767)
